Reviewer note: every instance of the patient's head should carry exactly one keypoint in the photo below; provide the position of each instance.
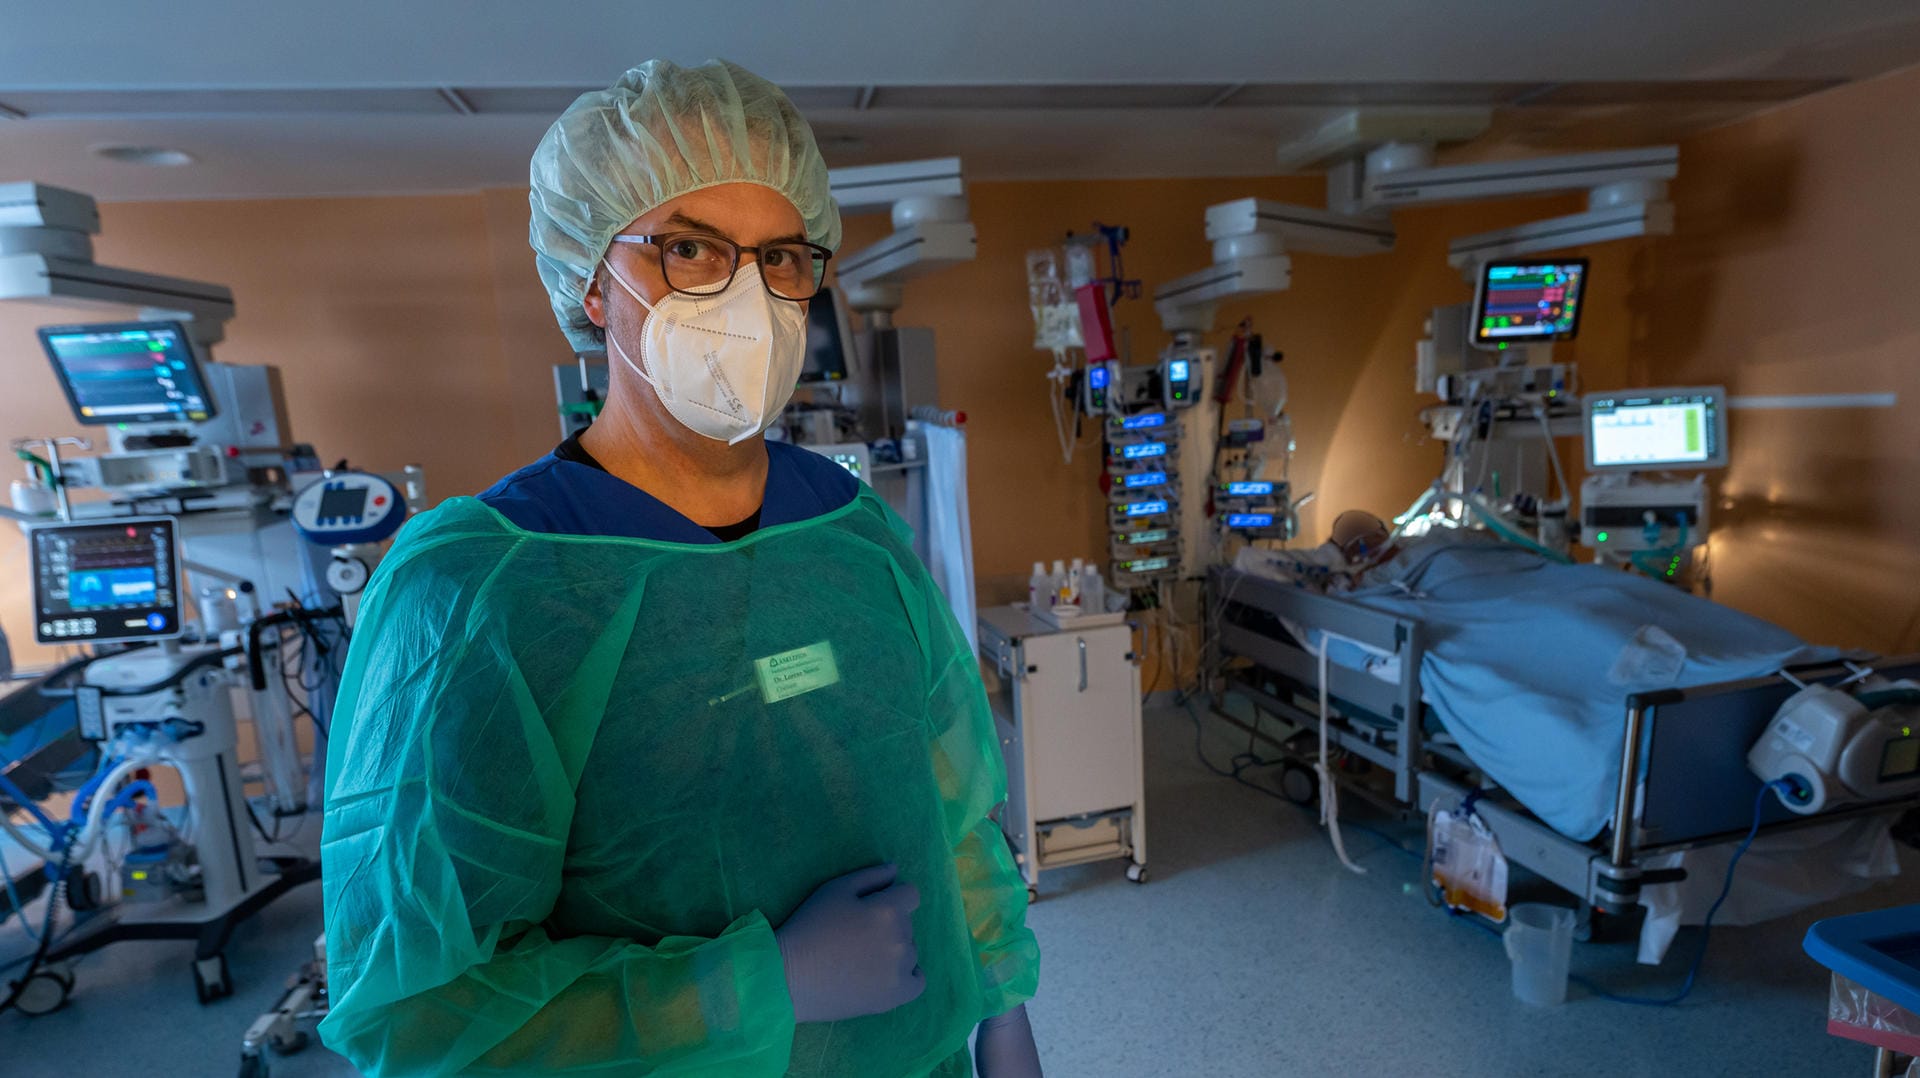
(1359, 534)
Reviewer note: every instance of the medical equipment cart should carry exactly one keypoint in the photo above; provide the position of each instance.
(1068, 716)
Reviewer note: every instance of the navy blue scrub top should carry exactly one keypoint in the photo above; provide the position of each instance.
(567, 492)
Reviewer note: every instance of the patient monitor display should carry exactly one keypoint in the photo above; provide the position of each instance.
(829, 339)
(1651, 429)
(1528, 301)
(107, 581)
(131, 372)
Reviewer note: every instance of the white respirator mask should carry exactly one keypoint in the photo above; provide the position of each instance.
(726, 364)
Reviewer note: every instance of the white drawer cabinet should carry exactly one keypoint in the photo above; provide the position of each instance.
(1068, 714)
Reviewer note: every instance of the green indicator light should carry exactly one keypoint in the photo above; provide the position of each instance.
(1906, 731)
(1601, 538)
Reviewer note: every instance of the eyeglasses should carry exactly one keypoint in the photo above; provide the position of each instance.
(703, 264)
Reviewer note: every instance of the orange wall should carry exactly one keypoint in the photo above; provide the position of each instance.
(1793, 270)
(415, 330)
(380, 312)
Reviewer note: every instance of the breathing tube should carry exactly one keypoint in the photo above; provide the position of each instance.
(1486, 516)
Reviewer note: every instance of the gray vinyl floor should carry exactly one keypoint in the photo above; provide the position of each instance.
(1248, 952)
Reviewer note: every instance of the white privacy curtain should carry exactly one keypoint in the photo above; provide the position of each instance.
(949, 534)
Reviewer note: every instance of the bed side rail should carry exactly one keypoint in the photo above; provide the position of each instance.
(1398, 703)
(1697, 786)
(1329, 613)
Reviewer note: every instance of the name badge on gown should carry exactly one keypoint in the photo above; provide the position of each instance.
(794, 673)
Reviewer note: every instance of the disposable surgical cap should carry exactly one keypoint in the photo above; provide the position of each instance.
(661, 131)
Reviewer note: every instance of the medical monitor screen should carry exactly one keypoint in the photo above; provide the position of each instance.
(852, 462)
(116, 580)
(1900, 759)
(343, 503)
(134, 372)
(829, 339)
(1657, 428)
(1525, 302)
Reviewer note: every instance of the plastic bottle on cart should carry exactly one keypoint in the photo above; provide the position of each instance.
(1059, 581)
(1093, 590)
(1075, 573)
(1039, 588)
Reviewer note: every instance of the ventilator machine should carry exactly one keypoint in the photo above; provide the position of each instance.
(210, 566)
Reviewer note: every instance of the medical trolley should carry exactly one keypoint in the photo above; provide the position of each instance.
(1068, 715)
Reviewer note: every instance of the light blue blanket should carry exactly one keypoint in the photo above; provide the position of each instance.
(1528, 663)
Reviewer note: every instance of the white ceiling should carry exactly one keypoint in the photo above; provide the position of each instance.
(350, 97)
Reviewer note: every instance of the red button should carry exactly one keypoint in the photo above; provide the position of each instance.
(380, 501)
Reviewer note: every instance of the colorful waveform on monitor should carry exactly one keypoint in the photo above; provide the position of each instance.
(1530, 300)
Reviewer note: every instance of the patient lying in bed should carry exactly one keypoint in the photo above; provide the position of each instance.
(1527, 661)
(1359, 543)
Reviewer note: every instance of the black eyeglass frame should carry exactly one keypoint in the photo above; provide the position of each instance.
(662, 239)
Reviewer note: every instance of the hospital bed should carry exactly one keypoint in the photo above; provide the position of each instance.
(1683, 781)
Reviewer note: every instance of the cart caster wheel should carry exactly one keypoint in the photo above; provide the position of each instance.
(1137, 873)
(291, 1044)
(44, 993)
(1299, 784)
(210, 979)
(253, 1066)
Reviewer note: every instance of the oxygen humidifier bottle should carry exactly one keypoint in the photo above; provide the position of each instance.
(1038, 587)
